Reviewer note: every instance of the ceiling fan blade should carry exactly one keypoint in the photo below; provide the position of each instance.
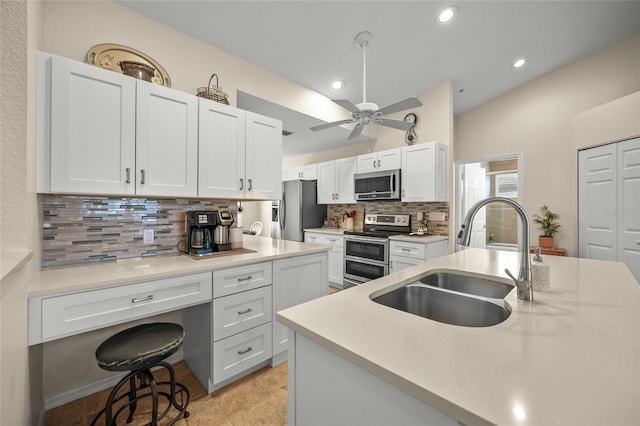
(396, 124)
(400, 106)
(332, 124)
(346, 104)
(356, 131)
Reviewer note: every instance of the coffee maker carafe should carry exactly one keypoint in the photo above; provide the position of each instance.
(200, 226)
(224, 219)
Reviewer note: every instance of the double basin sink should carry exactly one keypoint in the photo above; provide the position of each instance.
(452, 298)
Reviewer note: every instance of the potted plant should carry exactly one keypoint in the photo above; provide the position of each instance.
(547, 221)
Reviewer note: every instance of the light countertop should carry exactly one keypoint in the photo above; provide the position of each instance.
(332, 231)
(424, 239)
(570, 357)
(61, 280)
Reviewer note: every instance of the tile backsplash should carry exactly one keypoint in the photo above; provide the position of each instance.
(80, 229)
(336, 211)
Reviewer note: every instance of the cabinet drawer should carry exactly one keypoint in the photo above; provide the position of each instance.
(313, 238)
(90, 310)
(333, 240)
(401, 248)
(240, 312)
(243, 278)
(240, 352)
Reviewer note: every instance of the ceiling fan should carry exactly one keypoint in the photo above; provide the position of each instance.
(368, 112)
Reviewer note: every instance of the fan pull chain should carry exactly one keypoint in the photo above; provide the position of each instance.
(411, 137)
(364, 71)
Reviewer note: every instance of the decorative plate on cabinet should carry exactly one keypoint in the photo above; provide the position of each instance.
(109, 56)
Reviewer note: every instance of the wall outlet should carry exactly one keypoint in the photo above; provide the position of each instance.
(436, 216)
(147, 236)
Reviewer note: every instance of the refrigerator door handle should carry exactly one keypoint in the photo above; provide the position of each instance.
(282, 216)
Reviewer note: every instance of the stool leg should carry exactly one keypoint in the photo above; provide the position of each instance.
(182, 408)
(108, 409)
(154, 396)
(133, 400)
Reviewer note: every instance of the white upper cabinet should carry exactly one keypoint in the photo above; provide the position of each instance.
(166, 141)
(263, 157)
(93, 130)
(424, 172)
(390, 159)
(308, 172)
(221, 159)
(335, 181)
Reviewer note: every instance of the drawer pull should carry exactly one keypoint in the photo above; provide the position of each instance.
(142, 299)
(249, 349)
(406, 249)
(246, 311)
(249, 278)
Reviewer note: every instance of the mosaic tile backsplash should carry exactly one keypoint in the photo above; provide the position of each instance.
(336, 211)
(80, 229)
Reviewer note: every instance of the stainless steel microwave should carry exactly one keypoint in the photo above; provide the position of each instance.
(376, 186)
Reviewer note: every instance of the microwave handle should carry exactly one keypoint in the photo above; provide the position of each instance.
(393, 182)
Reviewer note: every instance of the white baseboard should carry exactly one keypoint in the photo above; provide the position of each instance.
(86, 390)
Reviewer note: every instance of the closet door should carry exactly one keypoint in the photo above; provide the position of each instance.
(629, 205)
(598, 203)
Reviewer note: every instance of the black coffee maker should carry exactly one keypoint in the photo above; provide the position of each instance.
(200, 226)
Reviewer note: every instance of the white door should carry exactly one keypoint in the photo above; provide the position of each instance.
(629, 205)
(93, 121)
(367, 163)
(390, 159)
(327, 182)
(263, 157)
(221, 150)
(166, 141)
(474, 181)
(418, 174)
(310, 172)
(345, 170)
(597, 203)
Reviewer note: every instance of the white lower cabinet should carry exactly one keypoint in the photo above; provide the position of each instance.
(404, 254)
(336, 254)
(239, 312)
(296, 280)
(235, 354)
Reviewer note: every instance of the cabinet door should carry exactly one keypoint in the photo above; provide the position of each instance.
(92, 129)
(263, 157)
(345, 169)
(327, 182)
(296, 280)
(166, 141)
(367, 163)
(221, 158)
(597, 203)
(418, 172)
(310, 172)
(390, 159)
(629, 205)
(336, 266)
(398, 263)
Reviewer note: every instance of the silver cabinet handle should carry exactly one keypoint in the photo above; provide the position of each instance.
(128, 171)
(374, 164)
(246, 311)
(403, 193)
(406, 249)
(249, 349)
(142, 176)
(248, 278)
(378, 163)
(337, 196)
(637, 241)
(142, 299)
(250, 185)
(241, 183)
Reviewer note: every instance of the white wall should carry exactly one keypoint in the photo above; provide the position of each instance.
(536, 120)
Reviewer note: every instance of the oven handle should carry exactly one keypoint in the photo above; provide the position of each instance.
(360, 238)
(365, 261)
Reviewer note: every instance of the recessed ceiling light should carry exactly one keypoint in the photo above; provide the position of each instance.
(447, 14)
(337, 85)
(519, 63)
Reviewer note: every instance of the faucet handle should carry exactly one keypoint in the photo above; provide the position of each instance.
(524, 287)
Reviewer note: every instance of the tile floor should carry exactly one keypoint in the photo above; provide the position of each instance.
(257, 399)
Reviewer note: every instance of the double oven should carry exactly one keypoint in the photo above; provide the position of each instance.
(366, 253)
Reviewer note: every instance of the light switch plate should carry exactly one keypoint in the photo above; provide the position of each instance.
(147, 236)
(436, 216)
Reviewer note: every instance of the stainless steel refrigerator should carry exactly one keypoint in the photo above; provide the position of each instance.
(298, 210)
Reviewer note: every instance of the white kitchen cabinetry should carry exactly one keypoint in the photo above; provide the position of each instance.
(295, 280)
(403, 254)
(335, 181)
(424, 172)
(336, 254)
(308, 172)
(609, 202)
(91, 145)
(240, 153)
(59, 316)
(390, 159)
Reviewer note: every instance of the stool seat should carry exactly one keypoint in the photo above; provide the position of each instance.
(139, 347)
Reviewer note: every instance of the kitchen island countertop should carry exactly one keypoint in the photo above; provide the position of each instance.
(75, 278)
(572, 356)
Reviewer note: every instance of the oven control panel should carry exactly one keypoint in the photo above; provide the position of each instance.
(387, 219)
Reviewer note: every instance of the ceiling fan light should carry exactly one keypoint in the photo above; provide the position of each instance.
(337, 85)
(447, 14)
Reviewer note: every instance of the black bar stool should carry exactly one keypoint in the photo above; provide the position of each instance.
(137, 350)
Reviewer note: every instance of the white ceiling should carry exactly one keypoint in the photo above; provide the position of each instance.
(311, 43)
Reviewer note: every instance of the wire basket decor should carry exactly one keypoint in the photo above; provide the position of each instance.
(214, 93)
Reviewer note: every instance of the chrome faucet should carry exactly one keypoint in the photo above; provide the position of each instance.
(523, 282)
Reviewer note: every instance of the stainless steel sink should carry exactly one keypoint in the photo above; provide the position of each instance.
(466, 284)
(452, 299)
